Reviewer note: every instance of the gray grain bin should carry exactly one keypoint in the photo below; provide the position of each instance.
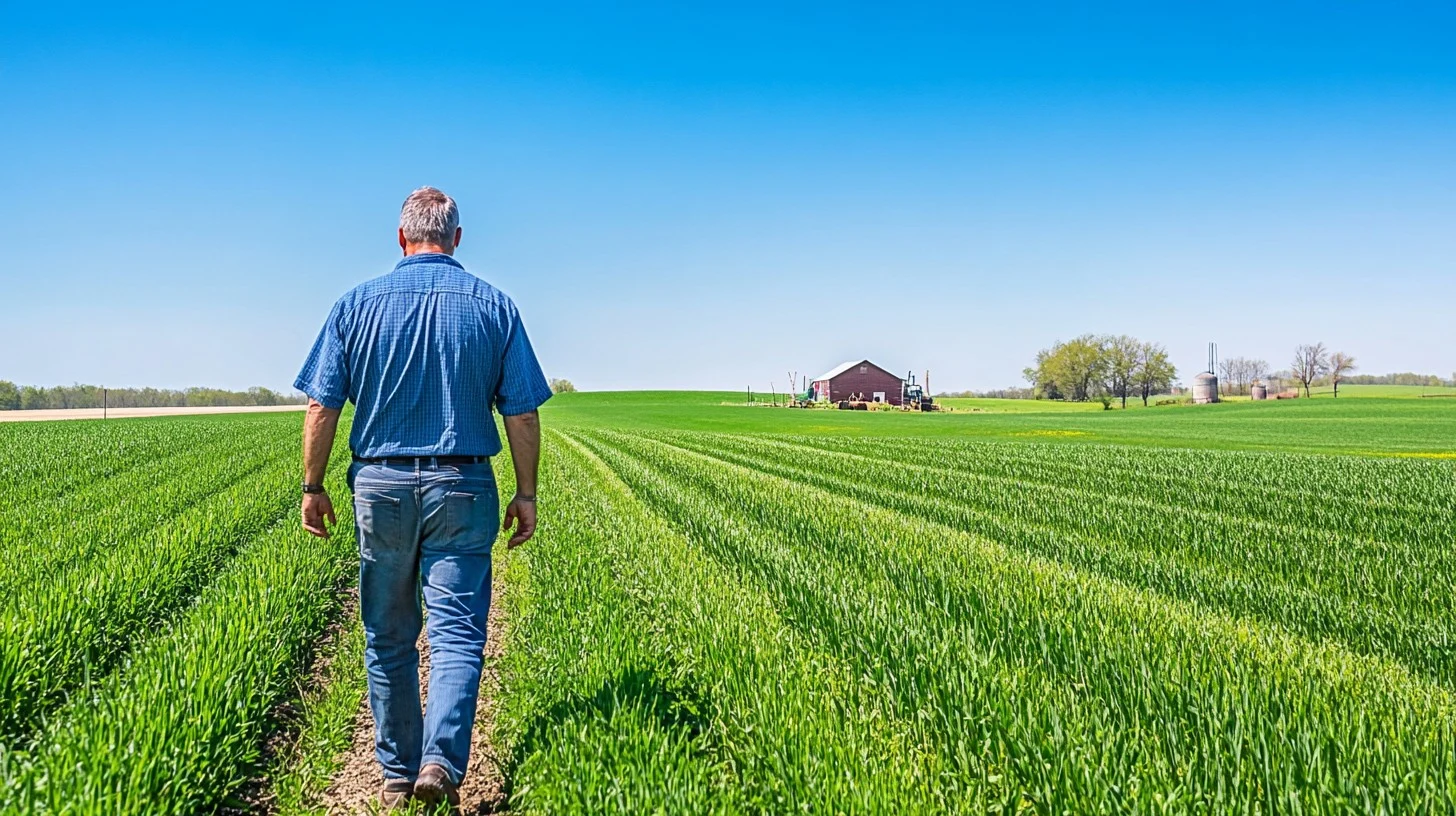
(1205, 388)
(1259, 392)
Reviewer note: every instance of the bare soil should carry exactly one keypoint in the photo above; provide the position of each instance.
(356, 787)
(255, 797)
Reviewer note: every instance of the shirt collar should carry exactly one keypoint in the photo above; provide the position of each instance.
(427, 257)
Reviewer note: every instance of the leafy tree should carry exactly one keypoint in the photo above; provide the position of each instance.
(1154, 373)
(1074, 370)
(560, 386)
(33, 399)
(9, 396)
(1122, 356)
(258, 395)
(1043, 382)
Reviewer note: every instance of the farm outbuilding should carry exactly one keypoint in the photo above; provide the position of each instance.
(862, 379)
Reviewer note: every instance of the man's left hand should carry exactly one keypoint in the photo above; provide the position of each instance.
(316, 508)
(521, 512)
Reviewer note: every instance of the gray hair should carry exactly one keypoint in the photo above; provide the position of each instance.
(429, 217)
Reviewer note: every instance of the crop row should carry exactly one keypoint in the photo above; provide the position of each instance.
(1379, 596)
(1347, 493)
(180, 725)
(55, 633)
(640, 676)
(43, 461)
(1003, 677)
(133, 555)
(39, 538)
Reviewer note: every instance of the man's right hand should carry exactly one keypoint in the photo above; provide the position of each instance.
(522, 513)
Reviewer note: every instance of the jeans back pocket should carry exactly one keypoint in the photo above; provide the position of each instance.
(381, 528)
(470, 520)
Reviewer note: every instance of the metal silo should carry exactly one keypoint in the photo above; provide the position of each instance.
(1205, 388)
(1205, 385)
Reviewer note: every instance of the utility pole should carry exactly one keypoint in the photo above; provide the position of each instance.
(103, 402)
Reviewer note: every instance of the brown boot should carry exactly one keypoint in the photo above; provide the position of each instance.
(396, 794)
(434, 786)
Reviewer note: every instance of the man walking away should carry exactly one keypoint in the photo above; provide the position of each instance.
(424, 353)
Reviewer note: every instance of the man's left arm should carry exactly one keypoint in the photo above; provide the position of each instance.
(523, 432)
(319, 428)
(522, 390)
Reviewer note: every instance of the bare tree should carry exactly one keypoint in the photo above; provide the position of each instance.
(1258, 370)
(1227, 370)
(1309, 363)
(1340, 364)
(1236, 374)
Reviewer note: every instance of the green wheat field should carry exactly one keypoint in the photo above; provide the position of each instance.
(1012, 607)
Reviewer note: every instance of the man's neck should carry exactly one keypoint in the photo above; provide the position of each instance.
(420, 249)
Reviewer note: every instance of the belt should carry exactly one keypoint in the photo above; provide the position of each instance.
(417, 461)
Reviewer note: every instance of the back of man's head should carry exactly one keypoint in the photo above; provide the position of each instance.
(429, 218)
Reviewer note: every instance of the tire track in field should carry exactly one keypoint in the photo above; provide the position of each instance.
(355, 788)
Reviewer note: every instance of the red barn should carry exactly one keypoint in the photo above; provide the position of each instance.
(862, 379)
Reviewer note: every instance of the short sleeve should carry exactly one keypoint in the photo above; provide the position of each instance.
(325, 374)
(523, 388)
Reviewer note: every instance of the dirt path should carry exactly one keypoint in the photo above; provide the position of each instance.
(356, 786)
(126, 413)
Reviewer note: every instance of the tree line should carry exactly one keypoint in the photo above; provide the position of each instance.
(30, 398)
(1118, 366)
(1103, 367)
(994, 393)
(1400, 378)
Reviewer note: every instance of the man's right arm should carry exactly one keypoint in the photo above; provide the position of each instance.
(325, 379)
(523, 432)
(319, 428)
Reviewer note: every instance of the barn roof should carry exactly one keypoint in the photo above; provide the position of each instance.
(837, 370)
(843, 367)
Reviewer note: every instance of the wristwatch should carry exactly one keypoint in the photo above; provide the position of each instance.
(313, 488)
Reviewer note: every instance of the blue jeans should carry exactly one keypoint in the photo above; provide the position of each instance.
(424, 530)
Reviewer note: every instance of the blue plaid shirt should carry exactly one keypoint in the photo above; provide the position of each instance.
(425, 353)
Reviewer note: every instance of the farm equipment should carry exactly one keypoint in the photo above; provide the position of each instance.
(915, 397)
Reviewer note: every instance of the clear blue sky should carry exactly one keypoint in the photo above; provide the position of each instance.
(711, 197)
